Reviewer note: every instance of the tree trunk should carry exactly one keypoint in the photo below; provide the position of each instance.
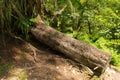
(81, 52)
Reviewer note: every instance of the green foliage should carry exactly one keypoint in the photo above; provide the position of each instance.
(84, 37)
(102, 43)
(115, 60)
(109, 46)
(23, 75)
(25, 26)
(4, 69)
(16, 16)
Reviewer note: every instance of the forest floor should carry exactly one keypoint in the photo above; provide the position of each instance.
(17, 62)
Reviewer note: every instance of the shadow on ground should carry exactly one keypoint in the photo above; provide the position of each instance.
(17, 62)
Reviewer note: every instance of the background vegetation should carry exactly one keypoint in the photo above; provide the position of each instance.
(96, 22)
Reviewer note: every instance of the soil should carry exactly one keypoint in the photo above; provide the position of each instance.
(20, 60)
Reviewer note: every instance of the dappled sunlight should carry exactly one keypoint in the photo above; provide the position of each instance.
(49, 65)
(16, 74)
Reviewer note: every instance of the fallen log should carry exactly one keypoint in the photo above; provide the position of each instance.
(81, 52)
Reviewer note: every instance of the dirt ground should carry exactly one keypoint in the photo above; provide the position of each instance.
(18, 61)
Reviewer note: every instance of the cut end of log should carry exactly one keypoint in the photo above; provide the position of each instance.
(39, 20)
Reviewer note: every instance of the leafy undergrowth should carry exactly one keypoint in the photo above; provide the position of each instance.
(5, 67)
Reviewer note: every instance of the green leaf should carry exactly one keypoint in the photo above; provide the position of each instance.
(82, 1)
(34, 20)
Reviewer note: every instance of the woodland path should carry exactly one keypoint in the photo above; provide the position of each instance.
(19, 64)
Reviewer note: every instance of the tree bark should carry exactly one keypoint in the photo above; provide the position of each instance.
(81, 52)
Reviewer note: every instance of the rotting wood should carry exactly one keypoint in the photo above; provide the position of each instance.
(96, 59)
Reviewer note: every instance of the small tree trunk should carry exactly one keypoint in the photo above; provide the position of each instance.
(81, 52)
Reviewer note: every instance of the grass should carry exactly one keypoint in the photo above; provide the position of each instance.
(5, 68)
(22, 75)
(2, 69)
